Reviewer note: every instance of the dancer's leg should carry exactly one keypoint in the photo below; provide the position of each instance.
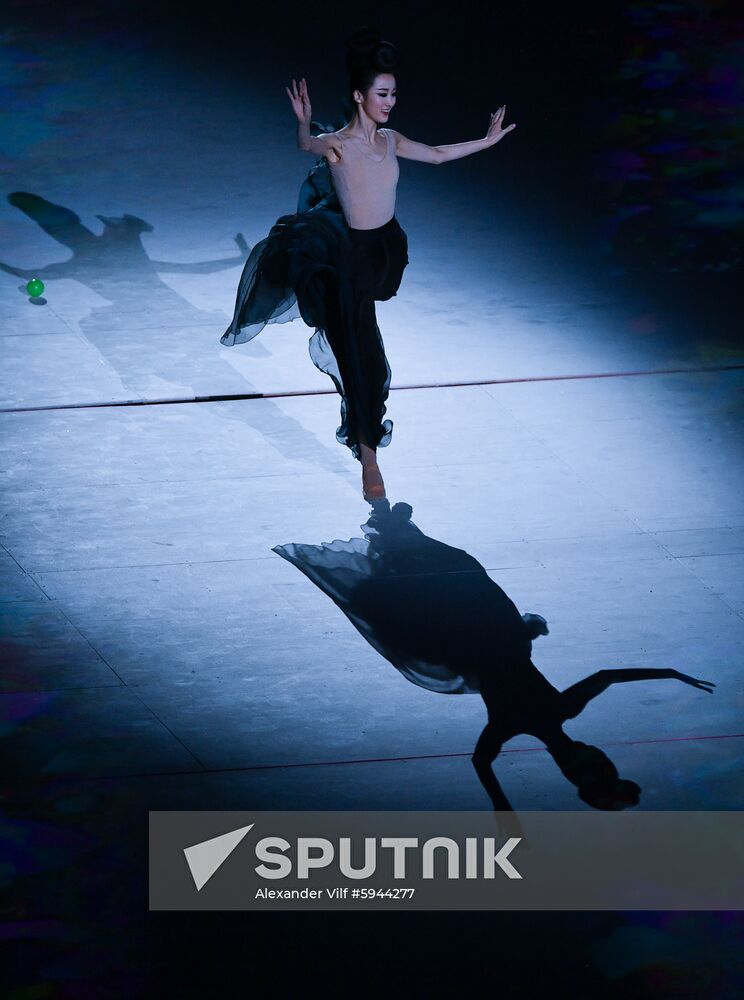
(350, 350)
(370, 394)
(378, 272)
(373, 485)
(354, 365)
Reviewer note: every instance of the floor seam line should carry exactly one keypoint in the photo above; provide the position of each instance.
(227, 397)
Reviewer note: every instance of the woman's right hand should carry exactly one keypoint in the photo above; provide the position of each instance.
(300, 101)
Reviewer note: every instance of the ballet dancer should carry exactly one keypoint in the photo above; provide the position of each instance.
(345, 250)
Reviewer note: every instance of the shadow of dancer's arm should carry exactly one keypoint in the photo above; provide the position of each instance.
(575, 699)
(61, 269)
(206, 266)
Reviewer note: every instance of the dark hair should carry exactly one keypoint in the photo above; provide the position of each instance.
(367, 55)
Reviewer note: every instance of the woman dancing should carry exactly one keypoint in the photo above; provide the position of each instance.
(344, 249)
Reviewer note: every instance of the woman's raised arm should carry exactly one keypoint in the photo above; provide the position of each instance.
(321, 145)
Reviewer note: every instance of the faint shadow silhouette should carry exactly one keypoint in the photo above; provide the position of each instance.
(115, 265)
(116, 254)
(140, 328)
(435, 614)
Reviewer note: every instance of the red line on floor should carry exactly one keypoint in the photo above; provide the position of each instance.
(228, 397)
(444, 756)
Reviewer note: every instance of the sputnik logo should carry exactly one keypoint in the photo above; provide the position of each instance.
(205, 858)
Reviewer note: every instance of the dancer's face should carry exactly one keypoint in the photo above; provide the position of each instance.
(379, 100)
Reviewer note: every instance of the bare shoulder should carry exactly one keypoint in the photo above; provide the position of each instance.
(395, 136)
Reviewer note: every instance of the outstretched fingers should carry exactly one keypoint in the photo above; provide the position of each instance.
(299, 90)
(299, 99)
(497, 119)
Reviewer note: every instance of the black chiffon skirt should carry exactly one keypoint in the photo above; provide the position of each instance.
(313, 265)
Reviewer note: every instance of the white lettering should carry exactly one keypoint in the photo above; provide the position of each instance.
(500, 859)
(264, 853)
(471, 857)
(453, 856)
(344, 859)
(305, 862)
(399, 847)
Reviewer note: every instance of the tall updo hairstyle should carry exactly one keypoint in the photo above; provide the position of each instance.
(367, 55)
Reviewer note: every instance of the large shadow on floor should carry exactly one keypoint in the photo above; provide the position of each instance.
(433, 611)
(146, 330)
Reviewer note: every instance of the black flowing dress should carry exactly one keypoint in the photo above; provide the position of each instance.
(313, 265)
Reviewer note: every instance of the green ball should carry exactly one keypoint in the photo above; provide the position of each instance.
(35, 287)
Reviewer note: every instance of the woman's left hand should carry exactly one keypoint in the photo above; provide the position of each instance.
(495, 131)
